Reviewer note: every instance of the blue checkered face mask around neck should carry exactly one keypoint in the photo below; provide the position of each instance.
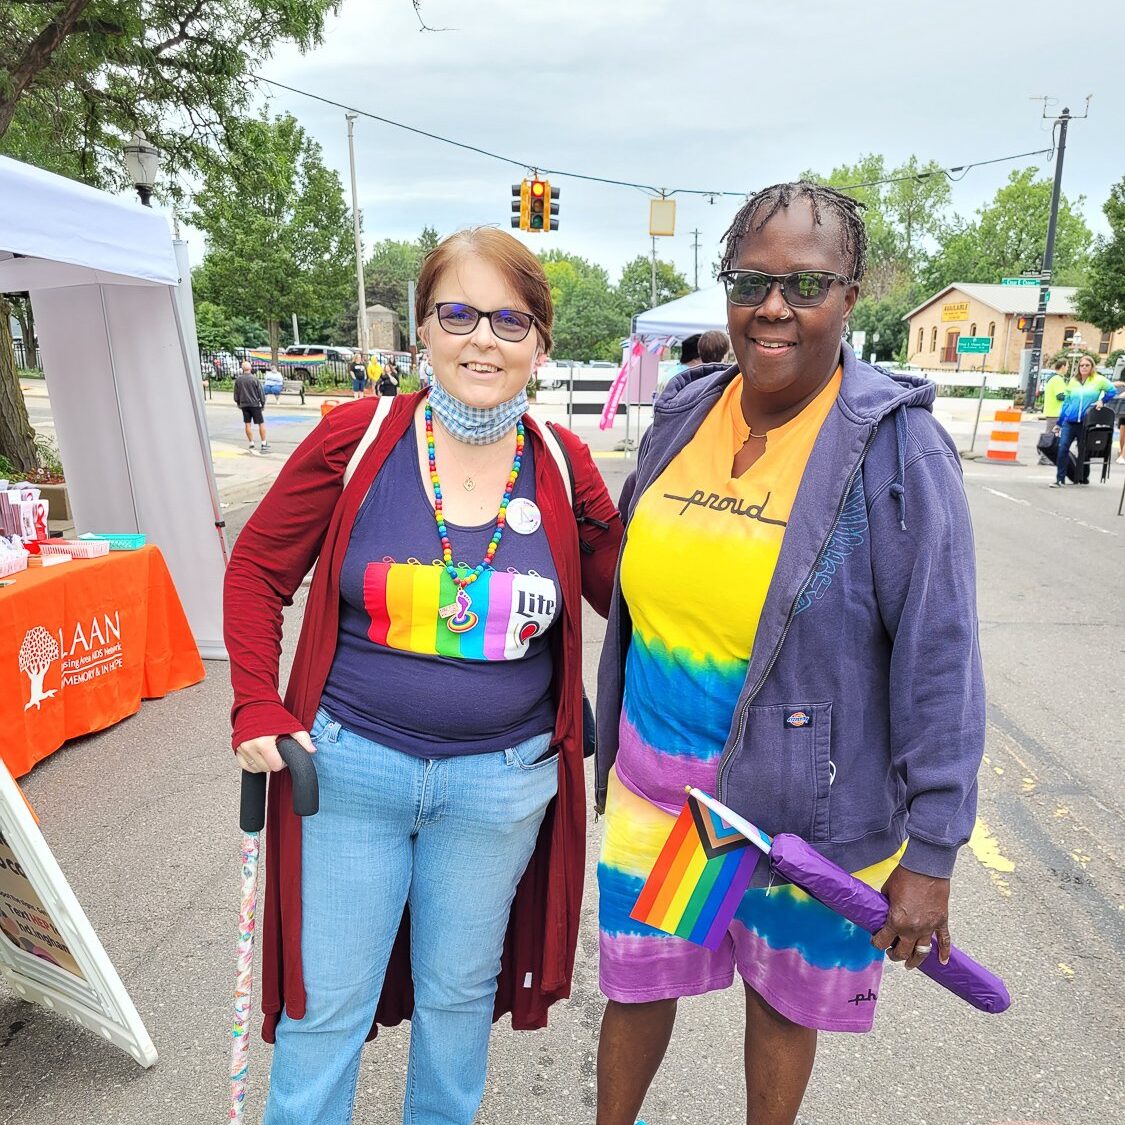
(475, 425)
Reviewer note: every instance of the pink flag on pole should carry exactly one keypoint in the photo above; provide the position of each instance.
(613, 400)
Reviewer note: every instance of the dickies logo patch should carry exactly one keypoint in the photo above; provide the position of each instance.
(794, 720)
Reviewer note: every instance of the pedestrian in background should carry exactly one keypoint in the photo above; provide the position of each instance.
(359, 375)
(374, 372)
(249, 395)
(1053, 394)
(713, 347)
(689, 351)
(1119, 411)
(387, 387)
(1088, 388)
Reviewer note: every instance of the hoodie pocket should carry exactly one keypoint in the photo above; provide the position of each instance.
(781, 775)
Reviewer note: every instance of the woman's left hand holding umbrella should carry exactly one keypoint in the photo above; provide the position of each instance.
(919, 911)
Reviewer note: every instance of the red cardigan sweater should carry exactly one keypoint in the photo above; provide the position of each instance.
(306, 518)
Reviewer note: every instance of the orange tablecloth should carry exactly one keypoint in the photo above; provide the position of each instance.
(81, 644)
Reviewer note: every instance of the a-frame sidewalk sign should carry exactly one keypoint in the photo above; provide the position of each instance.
(49, 953)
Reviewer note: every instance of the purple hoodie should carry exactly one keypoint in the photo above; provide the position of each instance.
(869, 627)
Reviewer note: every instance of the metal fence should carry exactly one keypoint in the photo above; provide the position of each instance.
(311, 370)
(20, 349)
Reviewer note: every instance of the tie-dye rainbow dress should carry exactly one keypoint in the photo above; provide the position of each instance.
(699, 558)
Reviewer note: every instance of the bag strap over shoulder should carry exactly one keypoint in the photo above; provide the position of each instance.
(561, 459)
(382, 410)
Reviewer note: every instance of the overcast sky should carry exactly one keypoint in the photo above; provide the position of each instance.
(728, 95)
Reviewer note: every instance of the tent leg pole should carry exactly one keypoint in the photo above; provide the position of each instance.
(197, 410)
(120, 415)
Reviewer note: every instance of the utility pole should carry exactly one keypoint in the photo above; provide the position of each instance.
(695, 247)
(1040, 323)
(361, 289)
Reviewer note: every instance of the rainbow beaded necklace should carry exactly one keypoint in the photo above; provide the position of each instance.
(459, 617)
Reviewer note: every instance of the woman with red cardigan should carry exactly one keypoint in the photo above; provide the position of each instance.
(438, 681)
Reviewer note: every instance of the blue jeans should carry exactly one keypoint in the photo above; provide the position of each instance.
(449, 836)
(1069, 432)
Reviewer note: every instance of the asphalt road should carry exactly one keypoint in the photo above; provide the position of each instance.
(142, 819)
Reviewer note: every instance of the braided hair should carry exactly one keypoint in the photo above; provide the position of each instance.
(848, 213)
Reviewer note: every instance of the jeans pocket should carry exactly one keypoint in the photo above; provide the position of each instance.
(325, 729)
(532, 754)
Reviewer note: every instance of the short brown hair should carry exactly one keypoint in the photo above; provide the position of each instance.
(519, 267)
(713, 346)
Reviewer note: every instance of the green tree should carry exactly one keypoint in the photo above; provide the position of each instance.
(1101, 301)
(78, 76)
(1009, 236)
(387, 274)
(589, 322)
(900, 216)
(634, 288)
(279, 234)
(882, 318)
(214, 328)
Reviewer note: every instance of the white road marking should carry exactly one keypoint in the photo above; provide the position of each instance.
(1048, 512)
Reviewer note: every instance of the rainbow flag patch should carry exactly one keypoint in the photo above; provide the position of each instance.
(699, 878)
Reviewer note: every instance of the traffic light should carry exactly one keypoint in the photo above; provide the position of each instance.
(534, 205)
(520, 205)
(540, 195)
(1024, 323)
(553, 206)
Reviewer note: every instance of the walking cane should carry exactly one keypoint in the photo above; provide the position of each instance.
(251, 818)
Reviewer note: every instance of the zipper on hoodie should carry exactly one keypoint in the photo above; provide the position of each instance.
(728, 753)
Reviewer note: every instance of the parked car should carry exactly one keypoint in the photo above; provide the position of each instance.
(337, 360)
(330, 351)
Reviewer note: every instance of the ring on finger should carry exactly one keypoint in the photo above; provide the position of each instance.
(923, 949)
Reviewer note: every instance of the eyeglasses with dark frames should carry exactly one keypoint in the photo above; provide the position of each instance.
(460, 319)
(803, 289)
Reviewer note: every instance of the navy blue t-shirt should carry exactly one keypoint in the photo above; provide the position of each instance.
(416, 667)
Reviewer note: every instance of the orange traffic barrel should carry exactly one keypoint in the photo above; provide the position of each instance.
(1003, 441)
(327, 405)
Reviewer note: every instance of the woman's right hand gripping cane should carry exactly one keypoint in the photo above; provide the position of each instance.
(259, 755)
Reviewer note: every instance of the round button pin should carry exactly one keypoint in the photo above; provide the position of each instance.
(524, 516)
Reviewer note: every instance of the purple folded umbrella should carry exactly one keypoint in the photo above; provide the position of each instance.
(841, 891)
(799, 862)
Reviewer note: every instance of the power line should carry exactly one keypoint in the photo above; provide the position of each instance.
(955, 173)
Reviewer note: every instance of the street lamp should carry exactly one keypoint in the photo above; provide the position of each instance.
(142, 159)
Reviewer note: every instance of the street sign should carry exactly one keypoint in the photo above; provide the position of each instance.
(974, 344)
(1032, 281)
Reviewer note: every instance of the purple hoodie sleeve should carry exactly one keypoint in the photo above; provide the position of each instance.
(925, 582)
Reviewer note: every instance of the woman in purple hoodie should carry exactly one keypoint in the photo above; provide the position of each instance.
(793, 629)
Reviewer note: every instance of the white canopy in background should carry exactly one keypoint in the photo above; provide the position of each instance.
(117, 338)
(697, 312)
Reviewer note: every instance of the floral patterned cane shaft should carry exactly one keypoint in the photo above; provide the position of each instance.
(240, 1044)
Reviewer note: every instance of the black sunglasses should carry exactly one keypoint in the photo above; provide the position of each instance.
(461, 320)
(804, 289)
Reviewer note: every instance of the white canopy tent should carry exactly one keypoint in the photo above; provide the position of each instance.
(700, 311)
(112, 302)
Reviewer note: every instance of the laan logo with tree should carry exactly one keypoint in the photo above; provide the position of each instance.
(37, 653)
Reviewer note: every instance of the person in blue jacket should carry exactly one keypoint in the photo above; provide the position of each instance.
(1088, 388)
(793, 629)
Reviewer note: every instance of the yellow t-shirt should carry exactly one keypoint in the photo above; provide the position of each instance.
(700, 555)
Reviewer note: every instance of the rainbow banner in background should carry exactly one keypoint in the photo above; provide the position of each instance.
(313, 359)
(699, 877)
